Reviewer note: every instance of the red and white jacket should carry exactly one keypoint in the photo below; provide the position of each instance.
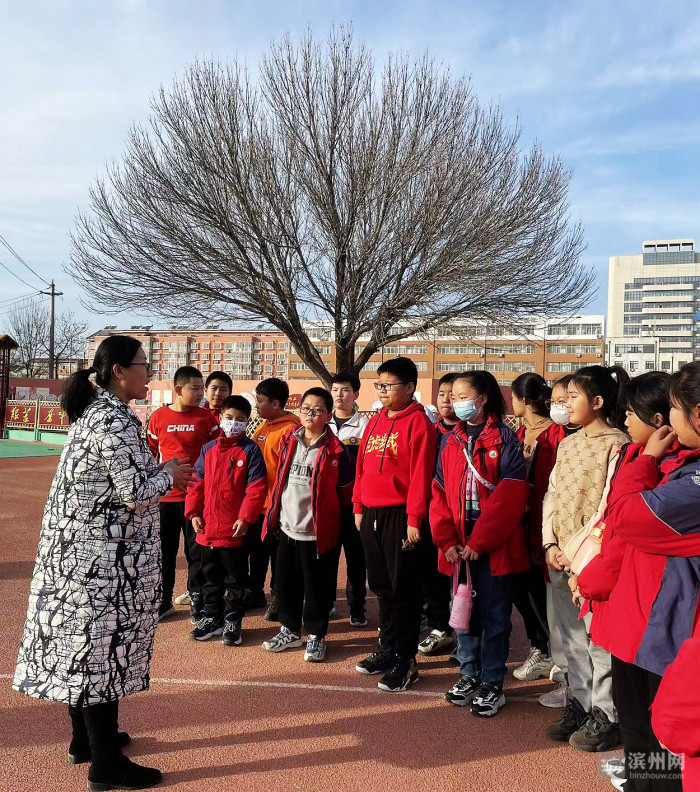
(498, 529)
(231, 485)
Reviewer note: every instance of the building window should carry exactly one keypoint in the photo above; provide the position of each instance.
(634, 365)
(257, 345)
(269, 357)
(218, 345)
(649, 365)
(281, 345)
(298, 365)
(205, 345)
(269, 345)
(323, 349)
(665, 365)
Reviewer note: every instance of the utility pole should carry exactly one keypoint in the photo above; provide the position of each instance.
(52, 326)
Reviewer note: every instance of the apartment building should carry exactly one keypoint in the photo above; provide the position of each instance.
(653, 304)
(551, 347)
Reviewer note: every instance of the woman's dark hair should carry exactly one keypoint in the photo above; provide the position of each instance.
(485, 383)
(684, 388)
(115, 350)
(534, 388)
(609, 384)
(320, 393)
(647, 395)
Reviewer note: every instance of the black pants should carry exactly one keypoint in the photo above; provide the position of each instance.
(393, 575)
(260, 554)
(303, 585)
(530, 598)
(172, 522)
(435, 586)
(97, 727)
(225, 572)
(351, 543)
(634, 690)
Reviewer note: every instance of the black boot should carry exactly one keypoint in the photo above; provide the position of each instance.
(79, 749)
(271, 613)
(110, 769)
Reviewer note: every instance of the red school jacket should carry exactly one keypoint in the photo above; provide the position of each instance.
(675, 713)
(231, 484)
(396, 462)
(651, 609)
(498, 530)
(331, 488)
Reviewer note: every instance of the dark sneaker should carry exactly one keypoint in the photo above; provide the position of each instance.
(196, 606)
(571, 721)
(124, 775)
(207, 627)
(255, 600)
(487, 701)
(379, 661)
(358, 619)
(463, 691)
(165, 610)
(80, 754)
(402, 674)
(231, 635)
(271, 614)
(598, 733)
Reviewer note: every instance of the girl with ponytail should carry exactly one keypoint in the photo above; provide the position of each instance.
(578, 484)
(95, 593)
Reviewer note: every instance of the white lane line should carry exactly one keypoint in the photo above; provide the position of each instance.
(299, 686)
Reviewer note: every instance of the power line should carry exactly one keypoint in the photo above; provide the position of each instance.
(20, 259)
(14, 275)
(18, 298)
(26, 303)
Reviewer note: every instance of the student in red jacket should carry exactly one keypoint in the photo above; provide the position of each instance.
(675, 714)
(649, 570)
(179, 430)
(312, 487)
(224, 502)
(479, 496)
(392, 489)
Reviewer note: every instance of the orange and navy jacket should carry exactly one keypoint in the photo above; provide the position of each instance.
(541, 467)
(331, 488)
(396, 462)
(269, 436)
(230, 485)
(498, 529)
(654, 508)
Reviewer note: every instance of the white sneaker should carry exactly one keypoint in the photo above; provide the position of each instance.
(556, 674)
(537, 666)
(183, 599)
(285, 639)
(315, 649)
(559, 698)
(435, 641)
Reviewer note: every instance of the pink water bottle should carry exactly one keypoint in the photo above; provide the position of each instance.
(461, 613)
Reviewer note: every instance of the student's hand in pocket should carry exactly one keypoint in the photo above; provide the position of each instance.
(452, 554)
(240, 527)
(413, 534)
(198, 524)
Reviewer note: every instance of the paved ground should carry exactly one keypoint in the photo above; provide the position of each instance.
(219, 718)
(22, 448)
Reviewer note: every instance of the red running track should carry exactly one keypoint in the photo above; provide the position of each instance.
(238, 718)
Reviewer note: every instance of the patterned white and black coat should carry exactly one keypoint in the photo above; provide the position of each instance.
(96, 587)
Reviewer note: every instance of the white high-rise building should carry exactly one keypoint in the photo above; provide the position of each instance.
(653, 304)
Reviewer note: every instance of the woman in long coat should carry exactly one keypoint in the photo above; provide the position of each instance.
(94, 596)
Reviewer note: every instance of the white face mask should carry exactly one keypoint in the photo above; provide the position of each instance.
(232, 428)
(559, 414)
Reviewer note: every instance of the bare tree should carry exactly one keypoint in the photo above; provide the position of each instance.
(387, 204)
(29, 326)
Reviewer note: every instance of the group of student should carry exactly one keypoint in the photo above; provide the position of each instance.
(586, 521)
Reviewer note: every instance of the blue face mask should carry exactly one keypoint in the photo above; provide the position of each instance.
(465, 410)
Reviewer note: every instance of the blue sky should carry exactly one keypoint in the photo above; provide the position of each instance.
(613, 88)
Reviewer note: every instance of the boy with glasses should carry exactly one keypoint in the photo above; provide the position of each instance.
(180, 430)
(312, 486)
(392, 490)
